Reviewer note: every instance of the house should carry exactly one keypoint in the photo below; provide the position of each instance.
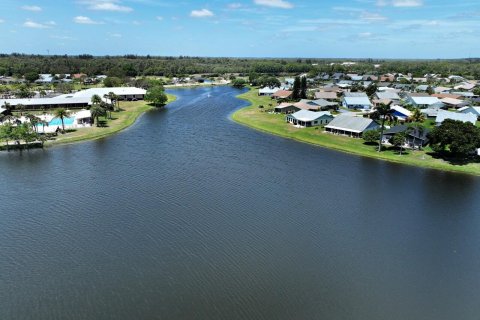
(424, 102)
(464, 117)
(401, 113)
(356, 100)
(454, 103)
(45, 78)
(351, 126)
(282, 94)
(286, 108)
(315, 105)
(415, 136)
(388, 94)
(2, 110)
(474, 110)
(422, 88)
(306, 118)
(267, 91)
(326, 95)
(430, 112)
(446, 95)
(442, 90)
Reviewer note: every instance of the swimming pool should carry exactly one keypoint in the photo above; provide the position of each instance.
(58, 122)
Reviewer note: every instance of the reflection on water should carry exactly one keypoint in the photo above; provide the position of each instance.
(188, 215)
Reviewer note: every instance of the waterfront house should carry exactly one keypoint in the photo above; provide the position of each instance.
(464, 117)
(286, 108)
(415, 137)
(282, 94)
(351, 126)
(267, 91)
(306, 118)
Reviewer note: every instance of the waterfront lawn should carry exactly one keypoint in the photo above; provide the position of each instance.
(261, 119)
(129, 112)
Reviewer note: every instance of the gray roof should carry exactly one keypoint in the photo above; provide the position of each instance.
(425, 100)
(361, 101)
(355, 94)
(349, 123)
(307, 115)
(388, 94)
(326, 95)
(60, 100)
(464, 117)
(474, 110)
(2, 110)
(324, 103)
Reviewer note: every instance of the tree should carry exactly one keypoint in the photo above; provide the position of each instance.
(6, 133)
(34, 121)
(455, 138)
(371, 136)
(61, 114)
(430, 90)
(31, 76)
(303, 88)
(418, 130)
(112, 82)
(371, 89)
(96, 112)
(417, 116)
(382, 112)
(398, 140)
(20, 107)
(156, 95)
(297, 87)
(96, 99)
(239, 83)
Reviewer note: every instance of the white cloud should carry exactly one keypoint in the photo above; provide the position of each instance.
(400, 3)
(31, 8)
(37, 25)
(114, 35)
(85, 20)
(203, 13)
(274, 3)
(2, 21)
(372, 17)
(159, 18)
(105, 5)
(234, 5)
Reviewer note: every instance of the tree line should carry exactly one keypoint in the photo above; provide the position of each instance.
(132, 66)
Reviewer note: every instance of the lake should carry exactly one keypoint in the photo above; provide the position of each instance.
(188, 215)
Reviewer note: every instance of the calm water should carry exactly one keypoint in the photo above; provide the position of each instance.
(188, 215)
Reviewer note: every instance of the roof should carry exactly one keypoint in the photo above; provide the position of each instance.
(119, 91)
(2, 110)
(442, 89)
(282, 94)
(464, 117)
(402, 110)
(474, 110)
(425, 100)
(306, 115)
(285, 105)
(325, 95)
(363, 101)
(413, 132)
(355, 94)
(350, 123)
(324, 103)
(446, 95)
(64, 99)
(82, 114)
(390, 94)
(268, 90)
(452, 101)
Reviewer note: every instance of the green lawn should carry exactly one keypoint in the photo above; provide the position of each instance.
(259, 119)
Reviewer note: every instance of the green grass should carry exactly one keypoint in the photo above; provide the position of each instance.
(259, 119)
(130, 111)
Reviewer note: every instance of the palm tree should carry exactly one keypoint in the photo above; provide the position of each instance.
(34, 121)
(20, 107)
(417, 116)
(8, 107)
(96, 99)
(61, 114)
(383, 111)
(96, 112)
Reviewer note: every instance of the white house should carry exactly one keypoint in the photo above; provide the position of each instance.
(351, 126)
(306, 118)
(474, 110)
(464, 117)
(267, 91)
(424, 102)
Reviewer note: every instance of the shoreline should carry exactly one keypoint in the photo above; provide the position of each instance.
(251, 117)
(122, 120)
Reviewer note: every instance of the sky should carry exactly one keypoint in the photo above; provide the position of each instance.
(407, 29)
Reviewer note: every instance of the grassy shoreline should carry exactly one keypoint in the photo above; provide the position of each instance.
(131, 111)
(255, 118)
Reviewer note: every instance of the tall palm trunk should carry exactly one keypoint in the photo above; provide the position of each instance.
(381, 135)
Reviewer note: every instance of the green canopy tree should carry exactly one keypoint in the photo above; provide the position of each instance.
(455, 138)
(157, 96)
(96, 112)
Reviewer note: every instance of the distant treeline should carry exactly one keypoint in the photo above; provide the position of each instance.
(131, 65)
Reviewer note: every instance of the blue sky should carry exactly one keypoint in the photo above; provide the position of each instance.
(244, 28)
